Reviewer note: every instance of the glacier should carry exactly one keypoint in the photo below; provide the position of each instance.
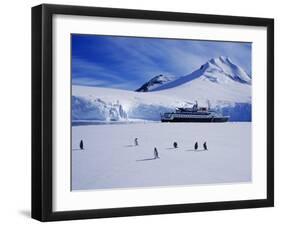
(97, 109)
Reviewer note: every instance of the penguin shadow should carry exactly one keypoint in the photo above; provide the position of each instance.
(147, 159)
(198, 150)
(190, 150)
(171, 148)
(78, 149)
(202, 150)
(129, 146)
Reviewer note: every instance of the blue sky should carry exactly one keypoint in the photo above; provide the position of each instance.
(128, 62)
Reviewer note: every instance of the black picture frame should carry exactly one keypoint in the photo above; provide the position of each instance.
(42, 107)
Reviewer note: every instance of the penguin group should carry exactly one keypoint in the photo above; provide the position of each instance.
(156, 154)
(204, 146)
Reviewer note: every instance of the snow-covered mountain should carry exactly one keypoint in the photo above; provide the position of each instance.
(155, 82)
(217, 80)
(219, 70)
(221, 82)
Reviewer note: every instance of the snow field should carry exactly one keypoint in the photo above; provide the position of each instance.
(111, 160)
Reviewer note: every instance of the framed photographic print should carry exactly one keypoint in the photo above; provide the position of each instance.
(145, 112)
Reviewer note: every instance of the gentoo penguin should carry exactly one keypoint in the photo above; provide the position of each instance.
(196, 146)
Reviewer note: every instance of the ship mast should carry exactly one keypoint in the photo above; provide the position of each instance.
(209, 105)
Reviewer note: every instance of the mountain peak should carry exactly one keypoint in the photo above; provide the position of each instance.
(227, 69)
(220, 60)
(155, 82)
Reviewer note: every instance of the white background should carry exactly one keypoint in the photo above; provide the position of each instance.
(15, 93)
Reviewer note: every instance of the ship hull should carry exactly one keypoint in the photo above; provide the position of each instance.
(217, 119)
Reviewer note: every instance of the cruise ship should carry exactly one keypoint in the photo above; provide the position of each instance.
(194, 114)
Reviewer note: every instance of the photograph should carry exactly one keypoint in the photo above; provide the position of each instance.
(148, 112)
(159, 112)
